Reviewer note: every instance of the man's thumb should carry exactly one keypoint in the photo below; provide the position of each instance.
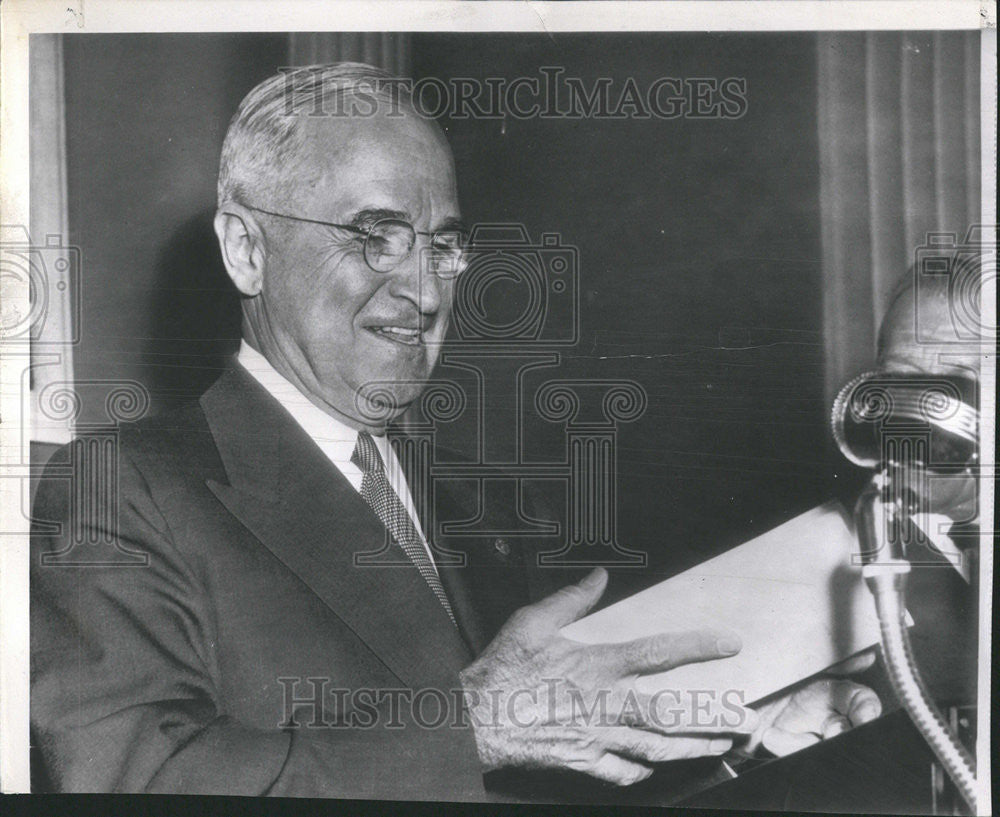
(575, 600)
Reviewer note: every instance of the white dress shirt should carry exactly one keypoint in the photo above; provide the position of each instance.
(335, 439)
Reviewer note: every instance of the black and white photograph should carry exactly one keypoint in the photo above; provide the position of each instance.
(472, 402)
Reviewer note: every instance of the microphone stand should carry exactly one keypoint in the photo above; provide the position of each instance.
(885, 571)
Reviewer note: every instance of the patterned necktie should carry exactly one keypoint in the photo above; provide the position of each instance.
(378, 493)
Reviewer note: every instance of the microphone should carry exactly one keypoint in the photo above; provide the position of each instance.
(913, 419)
(903, 425)
(876, 408)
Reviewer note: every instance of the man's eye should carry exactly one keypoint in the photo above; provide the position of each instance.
(446, 259)
(379, 245)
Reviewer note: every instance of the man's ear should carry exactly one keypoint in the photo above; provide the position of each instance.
(242, 244)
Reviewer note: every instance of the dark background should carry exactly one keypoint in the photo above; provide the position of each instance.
(698, 242)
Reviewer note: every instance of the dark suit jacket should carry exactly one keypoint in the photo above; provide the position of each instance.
(180, 675)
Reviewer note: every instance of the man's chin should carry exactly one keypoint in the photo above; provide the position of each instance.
(381, 400)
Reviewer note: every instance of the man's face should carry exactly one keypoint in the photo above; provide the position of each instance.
(937, 354)
(326, 315)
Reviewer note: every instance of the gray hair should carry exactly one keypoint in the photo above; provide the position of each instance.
(261, 148)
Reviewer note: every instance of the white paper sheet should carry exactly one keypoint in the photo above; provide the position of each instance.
(794, 595)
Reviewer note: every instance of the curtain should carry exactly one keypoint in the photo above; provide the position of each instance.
(899, 138)
(390, 51)
(55, 266)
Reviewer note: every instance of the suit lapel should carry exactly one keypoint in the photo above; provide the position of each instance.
(284, 490)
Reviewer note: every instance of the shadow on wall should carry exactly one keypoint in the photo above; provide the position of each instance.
(195, 316)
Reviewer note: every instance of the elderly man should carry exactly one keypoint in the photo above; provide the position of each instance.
(253, 653)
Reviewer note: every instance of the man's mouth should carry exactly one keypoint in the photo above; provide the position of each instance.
(397, 334)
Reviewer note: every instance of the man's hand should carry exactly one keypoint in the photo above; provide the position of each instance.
(811, 713)
(539, 700)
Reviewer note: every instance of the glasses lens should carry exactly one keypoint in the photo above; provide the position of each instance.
(448, 254)
(388, 244)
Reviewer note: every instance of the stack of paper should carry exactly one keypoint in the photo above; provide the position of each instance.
(794, 595)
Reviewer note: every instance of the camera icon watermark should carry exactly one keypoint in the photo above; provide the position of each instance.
(964, 273)
(514, 293)
(34, 276)
(515, 303)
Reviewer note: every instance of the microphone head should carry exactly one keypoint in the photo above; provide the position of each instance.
(875, 411)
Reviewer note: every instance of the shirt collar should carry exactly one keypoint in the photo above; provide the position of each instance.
(337, 439)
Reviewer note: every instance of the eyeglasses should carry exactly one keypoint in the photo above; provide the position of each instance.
(389, 241)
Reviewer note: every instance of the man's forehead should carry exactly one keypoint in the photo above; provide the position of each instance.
(373, 138)
(375, 161)
(923, 337)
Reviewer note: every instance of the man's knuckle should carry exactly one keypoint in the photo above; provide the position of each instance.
(587, 759)
(645, 653)
(587, 744)
(522, 618)
(667, 652)
(858, 695)
(691, 747)
(634, 775)
(654, 651)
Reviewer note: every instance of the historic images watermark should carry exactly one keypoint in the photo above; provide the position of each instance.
(314, 703)
(549, 94)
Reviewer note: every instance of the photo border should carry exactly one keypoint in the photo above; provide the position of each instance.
(20, 18)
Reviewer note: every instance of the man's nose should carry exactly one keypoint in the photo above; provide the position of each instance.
(420, 286)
